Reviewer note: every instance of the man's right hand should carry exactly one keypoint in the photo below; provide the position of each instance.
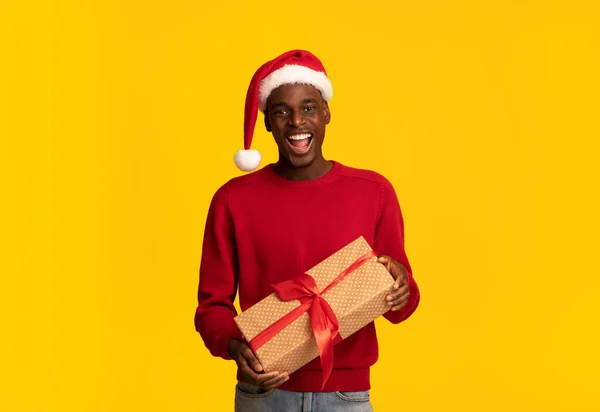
(250, 368)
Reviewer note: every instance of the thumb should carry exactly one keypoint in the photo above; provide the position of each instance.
(395, 268)
(385, 261)
(252, 360)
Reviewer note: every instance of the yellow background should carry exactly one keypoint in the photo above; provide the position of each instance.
(119, 120)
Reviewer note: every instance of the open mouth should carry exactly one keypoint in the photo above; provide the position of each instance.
(300, 143)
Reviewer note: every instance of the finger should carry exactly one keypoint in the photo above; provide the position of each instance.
(399, 300)
(385, 261)
(402, 276)
(257, 378)
(395, 268)
(252, 360)
(400, 306)
(247, 373)
(404, 289)
(275, 381)
(280, 382)
(264, 380)
(261, 378)
(399, 282)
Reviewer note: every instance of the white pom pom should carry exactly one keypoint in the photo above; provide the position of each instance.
(247, 160)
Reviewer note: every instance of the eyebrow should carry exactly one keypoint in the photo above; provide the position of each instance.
(304, 101)
(278, 104)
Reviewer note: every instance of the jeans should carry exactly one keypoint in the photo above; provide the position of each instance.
(250, 398)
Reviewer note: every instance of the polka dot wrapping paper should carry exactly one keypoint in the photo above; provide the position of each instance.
(356, 300)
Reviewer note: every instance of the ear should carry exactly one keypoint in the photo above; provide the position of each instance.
(267, 122)
(327, 112)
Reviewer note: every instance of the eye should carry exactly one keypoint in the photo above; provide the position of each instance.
(309, 108)
(281, 112)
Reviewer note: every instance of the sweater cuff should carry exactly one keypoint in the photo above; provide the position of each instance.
(225, 337)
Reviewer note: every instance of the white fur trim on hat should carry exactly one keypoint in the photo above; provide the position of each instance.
(247, 160)
(293, 73)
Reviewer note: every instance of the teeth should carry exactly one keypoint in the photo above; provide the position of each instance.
(299, 136)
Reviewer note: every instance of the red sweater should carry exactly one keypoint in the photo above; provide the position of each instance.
(263, 229)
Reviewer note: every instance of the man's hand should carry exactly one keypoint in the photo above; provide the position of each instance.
(399, 297)
(250, 368)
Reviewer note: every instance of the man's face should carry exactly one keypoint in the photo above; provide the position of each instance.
(296, 114)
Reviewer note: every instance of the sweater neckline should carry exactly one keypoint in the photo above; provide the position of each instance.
(325, 179)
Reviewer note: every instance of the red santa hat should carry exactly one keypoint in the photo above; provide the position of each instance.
(294, 66)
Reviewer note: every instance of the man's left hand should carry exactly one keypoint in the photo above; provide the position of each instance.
(399, 297)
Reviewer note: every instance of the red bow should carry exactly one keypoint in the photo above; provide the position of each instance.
(323, 320)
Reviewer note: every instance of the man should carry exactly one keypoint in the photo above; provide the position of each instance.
(275, 223)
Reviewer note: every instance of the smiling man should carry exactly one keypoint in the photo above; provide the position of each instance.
(296, 115)
(277, 222)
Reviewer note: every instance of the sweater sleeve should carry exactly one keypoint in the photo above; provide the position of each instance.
(389, 240)
(218, 280)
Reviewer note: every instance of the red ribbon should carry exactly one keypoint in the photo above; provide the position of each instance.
(322, 318)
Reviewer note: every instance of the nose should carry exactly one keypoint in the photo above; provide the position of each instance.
(296, 119)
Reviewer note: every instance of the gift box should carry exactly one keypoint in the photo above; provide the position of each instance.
(307, 315)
